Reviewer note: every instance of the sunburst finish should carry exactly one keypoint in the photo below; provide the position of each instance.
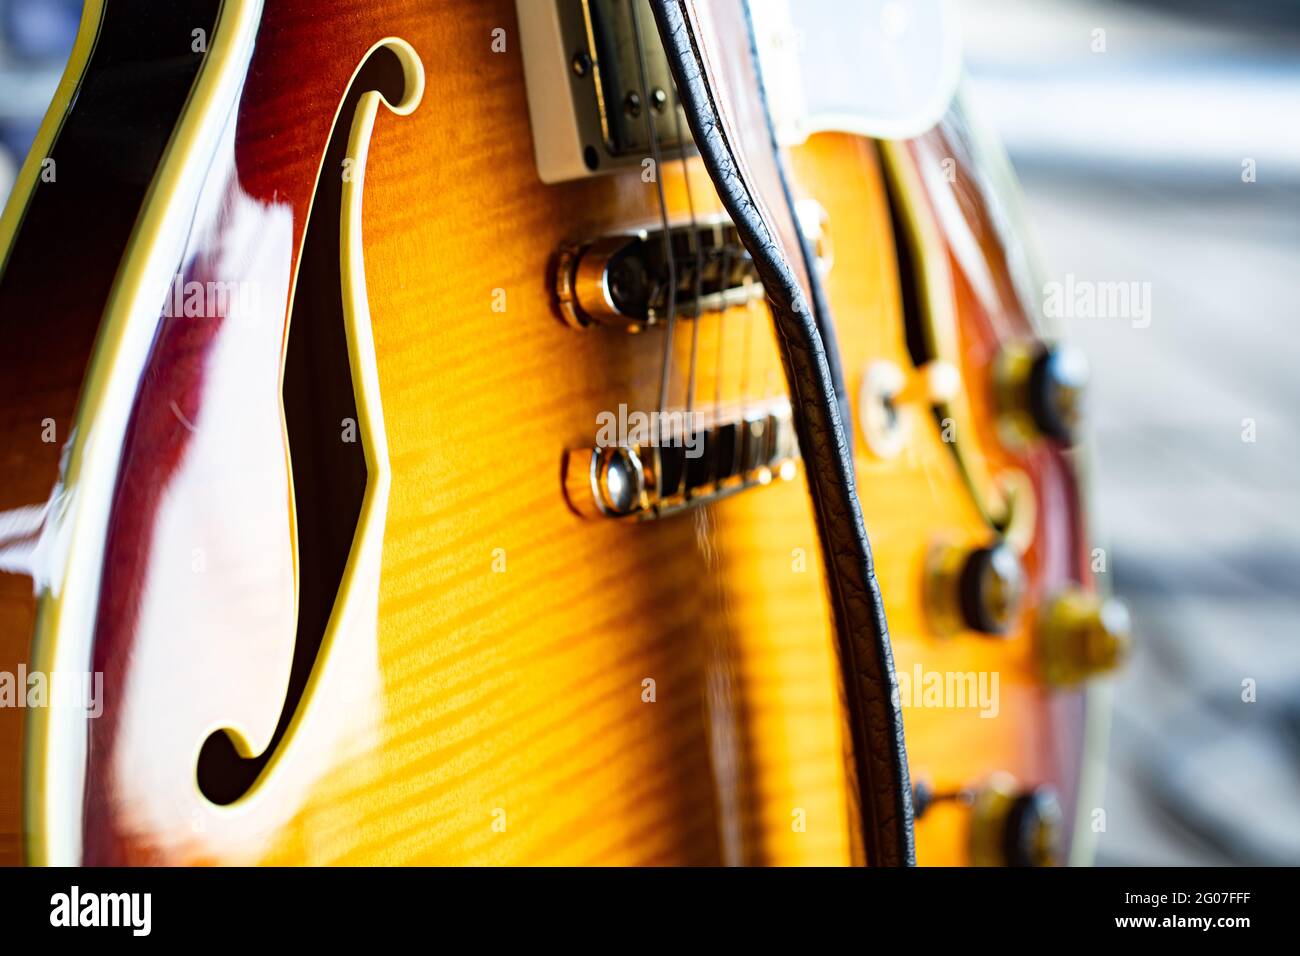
(538, 689)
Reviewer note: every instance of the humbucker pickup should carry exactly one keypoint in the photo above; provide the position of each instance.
(684, 465)
(598, 85)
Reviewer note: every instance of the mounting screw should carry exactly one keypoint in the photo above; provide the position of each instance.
(632, 105)
(581, 63)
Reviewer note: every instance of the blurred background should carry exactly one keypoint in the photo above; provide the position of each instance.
(1158, 141)
(35, 39)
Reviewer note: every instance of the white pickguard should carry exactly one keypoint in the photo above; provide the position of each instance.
(881, 68)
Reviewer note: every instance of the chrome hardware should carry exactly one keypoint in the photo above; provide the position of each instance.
(713, 460)
(814, 223)
(1081, 635)
(977, 590)
(1040, 391)
(606, 482)
(889, 395)
(582, 69)
(622, 281)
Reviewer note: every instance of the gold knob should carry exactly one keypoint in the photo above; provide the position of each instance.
(1011, 826)
(1081, 635)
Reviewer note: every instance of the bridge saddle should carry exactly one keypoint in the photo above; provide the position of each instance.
(624, 281)
(666, 464)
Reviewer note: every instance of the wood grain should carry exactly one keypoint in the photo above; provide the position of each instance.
(499, 715)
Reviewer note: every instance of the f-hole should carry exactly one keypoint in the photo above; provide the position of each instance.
(325, 447)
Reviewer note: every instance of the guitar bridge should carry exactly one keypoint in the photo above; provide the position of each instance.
(680, 465)
(629, 281)
(625, 281)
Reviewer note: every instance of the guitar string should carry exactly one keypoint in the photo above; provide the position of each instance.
(746, 348)
(720, 239)
(698, 284)
(665, 380)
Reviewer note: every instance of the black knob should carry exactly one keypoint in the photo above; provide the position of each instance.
(1033, 829)
(973, 590)
(1014, 826)
(922, 798)
(990, 588)
(1058, 379)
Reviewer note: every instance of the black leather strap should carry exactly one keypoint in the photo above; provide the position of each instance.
(879, 757)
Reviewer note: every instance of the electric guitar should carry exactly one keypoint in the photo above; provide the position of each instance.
(443, 433)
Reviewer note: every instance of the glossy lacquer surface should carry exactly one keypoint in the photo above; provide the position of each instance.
(526, 687)
(113, 114)
(501, 709)
(918, 500)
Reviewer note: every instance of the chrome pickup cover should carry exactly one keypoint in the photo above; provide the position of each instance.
(583, 69)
